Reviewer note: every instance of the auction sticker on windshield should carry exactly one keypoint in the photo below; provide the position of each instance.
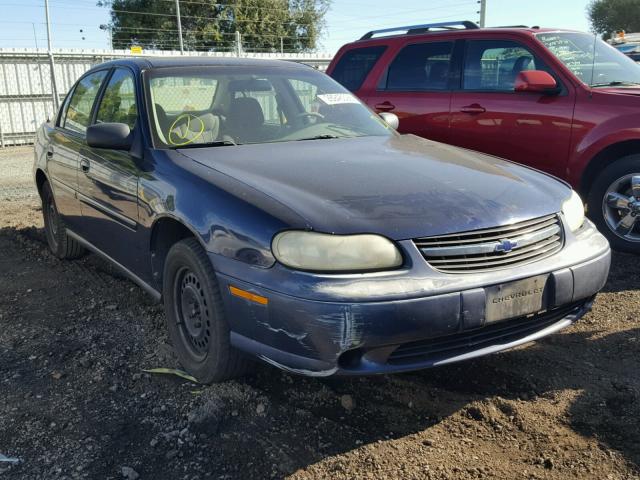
(516, 299)
(337, 98)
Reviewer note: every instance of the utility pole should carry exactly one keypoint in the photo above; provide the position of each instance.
(54, 86)
(281, 45)
(483, 12)
(179, 26)
(238, 44)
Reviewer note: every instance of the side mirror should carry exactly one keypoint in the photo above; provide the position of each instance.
(536, 81)
(390, 119)
(112, 136)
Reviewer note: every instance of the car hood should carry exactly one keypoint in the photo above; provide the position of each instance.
(399, 186)
(635, 91)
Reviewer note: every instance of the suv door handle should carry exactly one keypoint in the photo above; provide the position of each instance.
(385, 106)
(473, 108)
(84, 165)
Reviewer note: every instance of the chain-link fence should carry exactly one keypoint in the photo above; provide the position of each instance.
(26, 98)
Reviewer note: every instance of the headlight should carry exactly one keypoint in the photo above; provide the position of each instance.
(335, 253)
(573, 211)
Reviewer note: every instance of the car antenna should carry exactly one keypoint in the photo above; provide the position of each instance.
(593, 65)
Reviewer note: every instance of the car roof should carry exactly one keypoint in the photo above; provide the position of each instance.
(457, 32)
(143, 63)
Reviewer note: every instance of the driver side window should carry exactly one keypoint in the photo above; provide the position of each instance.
(493, 65)
(118, 104)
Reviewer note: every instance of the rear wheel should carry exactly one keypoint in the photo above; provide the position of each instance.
(614, 203)
(60, 244)
(195, 315)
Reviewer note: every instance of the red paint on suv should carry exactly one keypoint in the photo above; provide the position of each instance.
(557, 100)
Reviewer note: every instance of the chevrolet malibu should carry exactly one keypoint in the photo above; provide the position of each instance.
(277, 217)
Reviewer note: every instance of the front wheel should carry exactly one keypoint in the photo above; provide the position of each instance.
(614, 203)
(195, 315)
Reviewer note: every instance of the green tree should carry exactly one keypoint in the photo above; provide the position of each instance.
(211, 25)
(610, 16)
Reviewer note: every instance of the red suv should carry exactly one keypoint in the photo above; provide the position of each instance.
(561, 101)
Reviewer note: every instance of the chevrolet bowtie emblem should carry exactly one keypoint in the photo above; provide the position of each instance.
(506, 245)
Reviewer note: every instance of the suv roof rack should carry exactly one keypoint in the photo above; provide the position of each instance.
(413, 29)
(512, 26)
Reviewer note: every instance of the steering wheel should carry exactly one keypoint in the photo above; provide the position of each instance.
(190, 134)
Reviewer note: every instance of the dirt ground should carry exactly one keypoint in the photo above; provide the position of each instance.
(75, 403)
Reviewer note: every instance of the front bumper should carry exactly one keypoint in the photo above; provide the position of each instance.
(322, 325)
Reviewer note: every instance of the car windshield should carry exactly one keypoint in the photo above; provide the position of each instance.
(594, 62)
(233, 105)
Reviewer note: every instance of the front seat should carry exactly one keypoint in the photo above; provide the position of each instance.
(245, 120)
(521, 64)
(195, 129)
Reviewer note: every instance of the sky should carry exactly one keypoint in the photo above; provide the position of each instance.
(22, 22)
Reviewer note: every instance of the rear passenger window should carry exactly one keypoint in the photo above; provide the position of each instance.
(78, 114)
(354, 66)
(422, 66)
(493, 65)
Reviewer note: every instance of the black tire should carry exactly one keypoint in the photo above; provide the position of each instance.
(60, 244)
(195, 316)
(600, 188)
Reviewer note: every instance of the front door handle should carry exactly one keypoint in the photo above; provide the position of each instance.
(474, 108)
(49, 153)
(385, 106)
(84, 165)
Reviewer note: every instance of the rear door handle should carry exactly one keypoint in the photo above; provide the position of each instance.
(84, 165)
(473, 108)
(385, 106)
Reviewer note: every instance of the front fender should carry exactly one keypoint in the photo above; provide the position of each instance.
(228, 217)
(603, 135)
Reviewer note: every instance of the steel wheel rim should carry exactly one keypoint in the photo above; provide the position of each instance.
(621, 207)
(192, 313)
(51, 222)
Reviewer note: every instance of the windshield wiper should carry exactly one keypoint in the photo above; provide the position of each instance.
(616, 84)
(217, 143)
(325, 136)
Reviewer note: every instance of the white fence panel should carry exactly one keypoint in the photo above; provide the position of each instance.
(25, 82)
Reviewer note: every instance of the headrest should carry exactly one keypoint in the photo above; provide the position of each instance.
(246, 110)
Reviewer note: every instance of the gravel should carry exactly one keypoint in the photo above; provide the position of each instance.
(75, 402)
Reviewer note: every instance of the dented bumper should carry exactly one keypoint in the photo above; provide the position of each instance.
(414, 318)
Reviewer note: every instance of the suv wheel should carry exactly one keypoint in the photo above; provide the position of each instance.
(60, 244)
(195, 315)
(614, 203)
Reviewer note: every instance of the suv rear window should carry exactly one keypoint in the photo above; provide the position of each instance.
(354, 66)
(421, 66)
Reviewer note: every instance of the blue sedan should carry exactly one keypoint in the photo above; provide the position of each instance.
(277, 217)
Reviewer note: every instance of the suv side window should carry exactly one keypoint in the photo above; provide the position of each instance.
(118, 104)
(421, 66)
(493, 65)
(354, 66)
(78, 114)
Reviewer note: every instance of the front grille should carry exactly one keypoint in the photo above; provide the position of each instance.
(493, 248)
(495, 334)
